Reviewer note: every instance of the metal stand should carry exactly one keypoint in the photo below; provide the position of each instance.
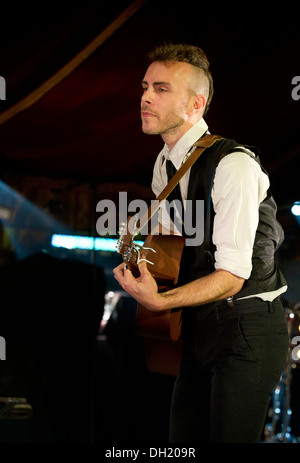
(279, 430)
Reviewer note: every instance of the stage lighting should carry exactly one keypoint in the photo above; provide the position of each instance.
(85, 242)
(296, 208)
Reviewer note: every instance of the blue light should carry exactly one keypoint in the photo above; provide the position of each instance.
(85, 242)
(106, 244)
(72, 242)
(22, 221)
(26, 226)
(296, 208)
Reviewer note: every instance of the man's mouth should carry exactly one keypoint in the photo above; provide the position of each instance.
(147, 114)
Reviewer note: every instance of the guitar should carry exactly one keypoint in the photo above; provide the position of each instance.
(161, 330)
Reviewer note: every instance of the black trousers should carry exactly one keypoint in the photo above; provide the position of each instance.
(232, 361)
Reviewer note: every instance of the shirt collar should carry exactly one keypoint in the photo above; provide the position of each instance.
(184, 144)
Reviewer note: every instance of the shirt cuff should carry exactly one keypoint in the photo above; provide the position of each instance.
(235, 261)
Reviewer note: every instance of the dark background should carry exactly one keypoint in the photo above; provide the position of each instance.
(81, 142)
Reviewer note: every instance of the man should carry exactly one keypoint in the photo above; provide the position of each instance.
(234, 331)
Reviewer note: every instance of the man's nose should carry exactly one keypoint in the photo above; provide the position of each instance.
(147, 97)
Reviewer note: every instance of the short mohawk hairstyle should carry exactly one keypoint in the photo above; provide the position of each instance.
(186, 54)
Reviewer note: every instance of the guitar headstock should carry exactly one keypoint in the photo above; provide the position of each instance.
(127, 247)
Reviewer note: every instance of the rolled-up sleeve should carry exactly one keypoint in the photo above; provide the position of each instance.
(239, 187)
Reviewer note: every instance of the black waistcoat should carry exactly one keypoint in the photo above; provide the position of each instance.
(198, 261)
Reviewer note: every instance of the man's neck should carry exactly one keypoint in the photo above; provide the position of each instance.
(173, 136)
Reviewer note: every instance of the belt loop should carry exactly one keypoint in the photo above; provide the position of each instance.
(271, 308)
(230, 301)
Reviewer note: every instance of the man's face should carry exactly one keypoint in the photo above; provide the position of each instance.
(166, 101)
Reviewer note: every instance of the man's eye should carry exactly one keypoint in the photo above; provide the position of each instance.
(160, 89)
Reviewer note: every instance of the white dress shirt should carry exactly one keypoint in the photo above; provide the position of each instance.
(239, 187)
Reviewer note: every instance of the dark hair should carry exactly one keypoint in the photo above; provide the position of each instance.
(187, 54)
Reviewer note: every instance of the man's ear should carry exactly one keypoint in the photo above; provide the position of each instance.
(199, 103)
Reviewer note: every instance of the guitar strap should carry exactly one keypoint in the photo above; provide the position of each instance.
(204, 142)
(201, 145)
